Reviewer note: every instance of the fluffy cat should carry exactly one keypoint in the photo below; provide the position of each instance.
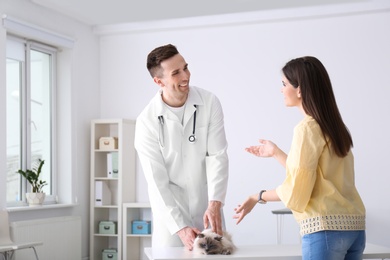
(209, 243)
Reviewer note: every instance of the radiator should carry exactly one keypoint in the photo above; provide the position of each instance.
(61, 238)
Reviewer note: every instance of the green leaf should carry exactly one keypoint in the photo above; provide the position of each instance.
(32, 176)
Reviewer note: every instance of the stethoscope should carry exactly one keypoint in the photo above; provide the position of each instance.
(191, 138)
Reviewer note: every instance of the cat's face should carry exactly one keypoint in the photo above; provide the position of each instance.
(209, 244)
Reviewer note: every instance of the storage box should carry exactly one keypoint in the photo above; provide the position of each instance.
(141, 227)
(108, 143)
(110, 254)
(107, 227)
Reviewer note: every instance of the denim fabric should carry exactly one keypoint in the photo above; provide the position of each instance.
(334, 245)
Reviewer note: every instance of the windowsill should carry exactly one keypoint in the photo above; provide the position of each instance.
(43, 207)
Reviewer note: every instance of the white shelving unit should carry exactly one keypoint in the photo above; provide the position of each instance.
(122, 188)
(133, 244)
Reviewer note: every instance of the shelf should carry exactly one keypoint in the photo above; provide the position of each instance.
(136, 205)
(110, 192)
(138, 235)
(105, 235)
(106, 151)
(133, 242)
(106, 179)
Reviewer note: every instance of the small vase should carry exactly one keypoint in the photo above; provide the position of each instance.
(35, 199)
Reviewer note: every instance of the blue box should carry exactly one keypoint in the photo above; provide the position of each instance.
(141, 227)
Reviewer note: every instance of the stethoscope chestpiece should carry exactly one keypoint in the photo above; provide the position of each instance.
(192, 139)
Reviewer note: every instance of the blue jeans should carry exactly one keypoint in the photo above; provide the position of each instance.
(334, 245)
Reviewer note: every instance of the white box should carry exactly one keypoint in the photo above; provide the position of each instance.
(108, 143)
(102, 194)
(112, 165)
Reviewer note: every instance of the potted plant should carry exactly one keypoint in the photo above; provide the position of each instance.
(36, 196)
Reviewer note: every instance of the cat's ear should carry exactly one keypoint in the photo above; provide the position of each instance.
(218, 238)
(201, 235)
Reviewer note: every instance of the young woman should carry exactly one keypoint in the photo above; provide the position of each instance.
(319, 187)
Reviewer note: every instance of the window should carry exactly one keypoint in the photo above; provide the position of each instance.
(30, 115)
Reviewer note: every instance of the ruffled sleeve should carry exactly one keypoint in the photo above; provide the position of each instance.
(301, 166)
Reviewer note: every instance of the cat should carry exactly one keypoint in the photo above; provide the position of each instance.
(210, 243)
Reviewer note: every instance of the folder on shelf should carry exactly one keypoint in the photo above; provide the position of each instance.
(112, 165)
(102, 194)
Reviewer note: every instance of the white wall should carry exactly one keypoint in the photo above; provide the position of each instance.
(78, 103)
(239, 58)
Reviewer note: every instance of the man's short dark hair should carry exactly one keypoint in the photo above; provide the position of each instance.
(158, 55)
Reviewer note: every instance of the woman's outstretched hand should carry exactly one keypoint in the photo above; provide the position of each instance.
(268, 149)
(246, 207)
(265, 149)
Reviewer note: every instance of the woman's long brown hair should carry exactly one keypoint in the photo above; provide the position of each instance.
(318, 100)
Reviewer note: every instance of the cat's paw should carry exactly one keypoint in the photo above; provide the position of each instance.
(226, 252)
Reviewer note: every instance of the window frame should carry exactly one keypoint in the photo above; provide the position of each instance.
(26, 153)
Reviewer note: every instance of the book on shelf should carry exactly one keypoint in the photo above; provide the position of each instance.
(102, 194)
(112, 165)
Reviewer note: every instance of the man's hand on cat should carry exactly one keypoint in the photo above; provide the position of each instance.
(187, 236)
(212, 217)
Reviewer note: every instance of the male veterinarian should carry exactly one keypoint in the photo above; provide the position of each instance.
(181, 142)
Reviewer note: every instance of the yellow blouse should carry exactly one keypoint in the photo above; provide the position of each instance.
(319, 187)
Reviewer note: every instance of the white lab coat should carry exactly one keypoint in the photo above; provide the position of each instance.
(182, 177)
